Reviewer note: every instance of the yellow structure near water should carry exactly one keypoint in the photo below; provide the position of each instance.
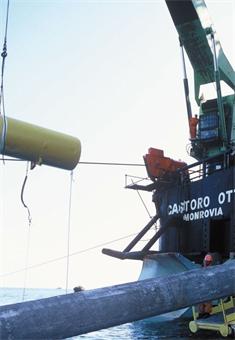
(39, 145)
(221, 318)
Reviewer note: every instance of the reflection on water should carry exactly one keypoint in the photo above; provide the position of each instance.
(145, 330)
(177, 329)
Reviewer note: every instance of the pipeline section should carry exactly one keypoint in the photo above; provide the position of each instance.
(69, 315)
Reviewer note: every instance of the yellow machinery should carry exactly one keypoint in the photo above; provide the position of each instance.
(38, 145)
(221, 318)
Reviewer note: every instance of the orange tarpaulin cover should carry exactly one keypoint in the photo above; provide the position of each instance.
(157, 164)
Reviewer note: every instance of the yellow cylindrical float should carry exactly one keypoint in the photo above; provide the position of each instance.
(39, 145)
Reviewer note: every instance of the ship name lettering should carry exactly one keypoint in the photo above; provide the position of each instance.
(198, 215)
(225, 196)
(185, 206)
(201, 204)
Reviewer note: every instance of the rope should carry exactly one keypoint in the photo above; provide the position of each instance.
(141, 198)
(4, 55)
(112, 163)
(28, 233)
(2, 103)
(22, 194)
(84, 163)
(64, 257)
(26, 264)
(140, 179)
(69, 225)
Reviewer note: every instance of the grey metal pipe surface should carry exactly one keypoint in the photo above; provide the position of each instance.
(78, 313)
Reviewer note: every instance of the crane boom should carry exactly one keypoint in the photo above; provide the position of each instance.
(194, 26)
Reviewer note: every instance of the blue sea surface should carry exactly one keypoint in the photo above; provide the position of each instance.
(145, 329)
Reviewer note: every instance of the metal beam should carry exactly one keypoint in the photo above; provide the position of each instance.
(78, 313)
(141, 233)
(128, 255)
(192, 21)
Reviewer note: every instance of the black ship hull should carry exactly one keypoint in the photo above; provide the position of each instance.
(199, 213)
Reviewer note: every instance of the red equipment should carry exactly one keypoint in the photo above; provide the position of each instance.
(158, 165)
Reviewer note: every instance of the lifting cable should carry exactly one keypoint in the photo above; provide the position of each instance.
(68, 230)
(26, 264)
(2, 103)
(28, 233)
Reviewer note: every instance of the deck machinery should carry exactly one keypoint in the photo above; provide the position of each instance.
(195, 204)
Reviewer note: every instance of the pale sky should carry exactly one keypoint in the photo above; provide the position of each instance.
(108, 72)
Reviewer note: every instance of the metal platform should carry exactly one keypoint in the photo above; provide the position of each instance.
(221, 319)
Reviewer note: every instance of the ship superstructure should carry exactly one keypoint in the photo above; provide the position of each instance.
(195, 203)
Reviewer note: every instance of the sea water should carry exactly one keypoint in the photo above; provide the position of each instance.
(146, 329)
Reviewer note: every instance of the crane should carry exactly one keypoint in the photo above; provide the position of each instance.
(198, 37)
